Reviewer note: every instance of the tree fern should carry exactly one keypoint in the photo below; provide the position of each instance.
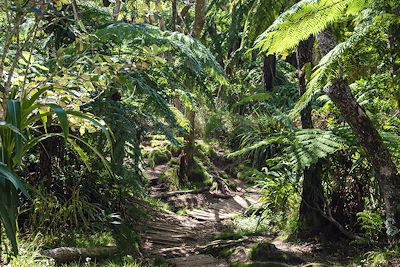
(198, 58)
(300, 148)
(309, 145)
(261, 15)
(308, 17)
(332, 63)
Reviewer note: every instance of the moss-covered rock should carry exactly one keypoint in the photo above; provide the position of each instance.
(159, 143)
(204, 150)
(175, 150)
(159, 156)
(170, 177)
(198, 174)
(267, 252)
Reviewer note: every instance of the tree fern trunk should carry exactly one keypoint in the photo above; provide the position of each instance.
(186, 162)
(370, 140)
(310, 218)
(269, 71)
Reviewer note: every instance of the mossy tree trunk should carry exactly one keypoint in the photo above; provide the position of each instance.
(370, 141)
(186, 162)
(312, 203)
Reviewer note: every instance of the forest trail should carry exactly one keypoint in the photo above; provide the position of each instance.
(180, 240)
(191, 232)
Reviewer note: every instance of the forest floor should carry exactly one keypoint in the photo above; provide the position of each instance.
(196, 236)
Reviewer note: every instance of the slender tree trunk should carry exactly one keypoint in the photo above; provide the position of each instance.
(269, 71)
(117, 9)
(187, 159)
(370, 140)
(199, 18)
(310, 218)
(174, 15)
(394, 44)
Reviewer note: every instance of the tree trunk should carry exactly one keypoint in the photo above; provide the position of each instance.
(269, 71)
(117, 9)
(51, 155)
(370, 140)
(174, 15)
(312, 202)
(199, 18)
(187, 159)
(304, 55)
(394, 44)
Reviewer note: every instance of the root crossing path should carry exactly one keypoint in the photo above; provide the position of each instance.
(181, 240)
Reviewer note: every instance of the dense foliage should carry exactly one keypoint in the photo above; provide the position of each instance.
(303, 94)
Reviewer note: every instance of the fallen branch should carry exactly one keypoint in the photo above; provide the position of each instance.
(222, 244)
(182, 192)
(68, 254)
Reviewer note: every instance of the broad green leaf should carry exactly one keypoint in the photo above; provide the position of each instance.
(62, 118)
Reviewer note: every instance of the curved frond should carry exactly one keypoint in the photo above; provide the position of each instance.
(308, 17)
(302, 147)
(330, 65)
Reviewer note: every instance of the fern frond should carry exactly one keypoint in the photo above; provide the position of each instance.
(308, 17)
(264, 143)
(302, 147)
(329, 66)
(197, 57)
(307, 146)
(258, 97)
(261, 15)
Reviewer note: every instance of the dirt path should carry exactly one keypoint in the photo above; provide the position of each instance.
(179, 239)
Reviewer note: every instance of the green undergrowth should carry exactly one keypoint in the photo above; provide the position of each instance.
(127, 261)
(158, 156)
(85, 240)
(376, 257)
(244, 227)
(161, 151)
(30, 255)
(245, 172)
(170, 177)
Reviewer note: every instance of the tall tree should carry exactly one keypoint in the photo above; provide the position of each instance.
(312, 202)
(186, 162)
(369, 139)
(311, 17)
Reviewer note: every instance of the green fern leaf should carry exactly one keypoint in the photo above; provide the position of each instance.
(308, 17)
